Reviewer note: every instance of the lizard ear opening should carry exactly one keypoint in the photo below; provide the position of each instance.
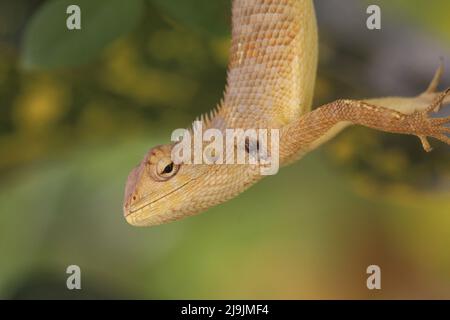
(251, 147)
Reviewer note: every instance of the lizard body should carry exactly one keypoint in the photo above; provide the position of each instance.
(270, 84)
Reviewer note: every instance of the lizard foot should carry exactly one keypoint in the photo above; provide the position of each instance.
(423, 125)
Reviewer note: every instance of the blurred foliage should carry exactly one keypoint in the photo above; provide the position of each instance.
(73, 126)
(206, 16)
(49, 43)
(433, 15)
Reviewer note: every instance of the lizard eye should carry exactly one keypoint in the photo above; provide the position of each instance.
(165, 169)
(168, 168)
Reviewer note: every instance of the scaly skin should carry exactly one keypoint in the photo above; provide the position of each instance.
(270, 84)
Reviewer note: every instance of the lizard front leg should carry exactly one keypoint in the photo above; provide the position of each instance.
(318, 126)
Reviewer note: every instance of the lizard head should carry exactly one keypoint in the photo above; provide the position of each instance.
(159, 191)
(154, 186)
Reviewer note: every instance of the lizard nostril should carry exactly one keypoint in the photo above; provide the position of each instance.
(129, 203)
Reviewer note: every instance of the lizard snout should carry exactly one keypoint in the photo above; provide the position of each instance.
(128, 203)
(131, 193)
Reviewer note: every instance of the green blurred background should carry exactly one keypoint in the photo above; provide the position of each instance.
(78, 109)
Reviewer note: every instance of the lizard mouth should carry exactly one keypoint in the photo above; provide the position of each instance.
(141, 206)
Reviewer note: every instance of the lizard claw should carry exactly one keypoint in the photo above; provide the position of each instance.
(425, 144)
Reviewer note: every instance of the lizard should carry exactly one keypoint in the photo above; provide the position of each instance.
(270, 84)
